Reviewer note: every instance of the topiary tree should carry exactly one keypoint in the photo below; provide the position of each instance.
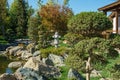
(89, 23)
(73, 38)
(90, 51)
(116, 41)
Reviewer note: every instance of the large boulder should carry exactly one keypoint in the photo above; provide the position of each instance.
(25, 55)
(57, 60)
(95, 73)
(13, 50)
(41, 68)
(27, 74)
(49, 71)
(31, 48)
(32, 63)
(6, 76)
(73, 74)
(15, 64)
(36, 53)
(47, 61)
(19, 53)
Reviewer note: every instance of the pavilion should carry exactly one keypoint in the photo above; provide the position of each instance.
(115, 15)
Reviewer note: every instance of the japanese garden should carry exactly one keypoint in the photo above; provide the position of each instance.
(54, 43)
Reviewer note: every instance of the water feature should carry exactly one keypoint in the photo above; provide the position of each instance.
(4, 61)
(9, 71)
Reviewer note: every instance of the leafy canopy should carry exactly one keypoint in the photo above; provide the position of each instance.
(89, 23)
(55, 17)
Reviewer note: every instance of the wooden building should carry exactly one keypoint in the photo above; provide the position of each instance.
(115, 15)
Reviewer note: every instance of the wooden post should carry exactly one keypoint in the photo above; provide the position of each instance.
(116, 15)
(88, 68)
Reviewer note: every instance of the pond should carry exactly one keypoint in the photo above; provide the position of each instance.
(4, 61)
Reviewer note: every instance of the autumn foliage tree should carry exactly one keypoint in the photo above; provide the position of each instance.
(55, 17)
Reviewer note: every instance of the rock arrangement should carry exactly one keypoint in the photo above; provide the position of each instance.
(34, 67)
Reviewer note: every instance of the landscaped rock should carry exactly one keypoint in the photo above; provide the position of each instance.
(73, 74)
(95, 73)
(28, 74)
(19, 53)
(32, 63)
(6, 76)
(43, 69)
(47, 61)
(57, 60)
(31, 48)
(25, 55)
(36, 53)
(13, 50)
(7, 49)
(49, 71)
(15, 64)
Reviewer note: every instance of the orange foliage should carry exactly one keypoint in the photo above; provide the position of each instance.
(55, 17)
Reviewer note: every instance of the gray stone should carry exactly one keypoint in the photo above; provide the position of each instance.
(47, 61)
(26, 55)
(95, 73)
(27, 74)
(32, 63)
(19, 53)
(7, 49)
(6, 76)
(49, 71)
(36, 53)
(57, 60)
(13, 50)
(31, 48)
(39, 66)
(73, 74)
(15, 64)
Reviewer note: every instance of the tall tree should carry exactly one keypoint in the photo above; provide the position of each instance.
(20, 11)
(3, 15)
(33, 29)
(55, 17)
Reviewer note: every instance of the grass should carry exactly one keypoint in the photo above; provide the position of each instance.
(52, 50)
(64, 71)
(95, 78)
(106, 71)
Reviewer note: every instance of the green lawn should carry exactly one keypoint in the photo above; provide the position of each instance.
(106, 71)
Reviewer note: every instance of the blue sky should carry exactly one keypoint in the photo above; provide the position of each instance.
(78, 5)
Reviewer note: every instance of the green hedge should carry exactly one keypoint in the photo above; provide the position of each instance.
(53, 50)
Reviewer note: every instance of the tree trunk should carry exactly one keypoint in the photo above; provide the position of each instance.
(88, 68)
(3, 30)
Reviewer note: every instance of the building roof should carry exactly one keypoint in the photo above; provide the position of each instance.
(111, 7)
